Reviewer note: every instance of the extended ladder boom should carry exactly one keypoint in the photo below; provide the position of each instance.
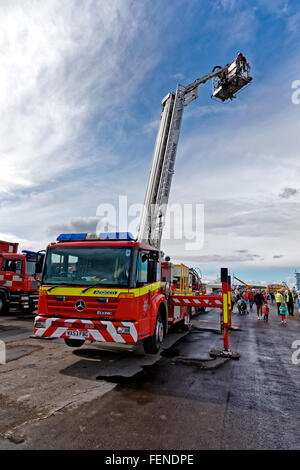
(162, 168)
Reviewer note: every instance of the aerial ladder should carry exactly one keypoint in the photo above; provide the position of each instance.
(227, 81)
(126, 299)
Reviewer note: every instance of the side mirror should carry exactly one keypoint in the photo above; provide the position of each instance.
(155, 255)
(40, 257)
(145, 256)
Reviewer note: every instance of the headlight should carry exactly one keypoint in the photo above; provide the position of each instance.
(24, 297)
(40, 324)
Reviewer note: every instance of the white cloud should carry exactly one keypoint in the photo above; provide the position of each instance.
(238, 172)
(178, 76)
(293, 23)
(60, 63)
(34, 245)
(75, 225)
(67, 83)
(288, 192)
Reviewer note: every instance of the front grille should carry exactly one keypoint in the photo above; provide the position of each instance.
(92, 306)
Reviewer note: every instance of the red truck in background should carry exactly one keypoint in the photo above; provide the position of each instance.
(19, 278)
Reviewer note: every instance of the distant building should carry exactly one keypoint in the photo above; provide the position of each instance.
(213, 287)
(297, 276)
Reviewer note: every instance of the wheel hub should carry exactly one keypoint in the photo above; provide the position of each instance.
(160, 332)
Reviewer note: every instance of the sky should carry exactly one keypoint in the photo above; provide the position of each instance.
(81, 85)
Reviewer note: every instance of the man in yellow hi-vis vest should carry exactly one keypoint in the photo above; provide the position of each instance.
(290, 300)
(278, 300)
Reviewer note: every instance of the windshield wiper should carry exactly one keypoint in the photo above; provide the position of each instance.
(58, 285)
(90, 287)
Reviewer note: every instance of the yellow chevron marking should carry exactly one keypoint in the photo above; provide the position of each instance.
(100, 291)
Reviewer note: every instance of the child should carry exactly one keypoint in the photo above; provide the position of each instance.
(242, 307)
(266, 312)
(283, 312)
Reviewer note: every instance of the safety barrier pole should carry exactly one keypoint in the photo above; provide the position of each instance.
(229, 301)
(226, 310)
(224, 281)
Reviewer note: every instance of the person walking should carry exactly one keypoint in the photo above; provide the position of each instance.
(250, 298)
(233, 299)
(278, 300)
(290, 300)
(259, 301)
(266, 312)
(283, 312)
(272, 297)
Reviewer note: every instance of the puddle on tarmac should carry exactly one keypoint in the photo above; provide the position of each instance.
(172, 352)
(147, 374)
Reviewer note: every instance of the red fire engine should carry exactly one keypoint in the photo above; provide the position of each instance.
(19, 280)
(115, 288)
(112, 288)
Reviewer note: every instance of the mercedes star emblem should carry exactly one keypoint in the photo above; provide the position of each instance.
(80, 305)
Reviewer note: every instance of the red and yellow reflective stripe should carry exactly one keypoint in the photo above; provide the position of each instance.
(100, 291)
(225, 308)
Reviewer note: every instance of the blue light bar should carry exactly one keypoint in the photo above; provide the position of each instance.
(32, 255)
(116, 236)
(67, 237)
(71, 237)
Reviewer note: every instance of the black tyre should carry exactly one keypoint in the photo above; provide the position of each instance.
(74, 343)
(27, 311)
(4, 305)
(153, 343)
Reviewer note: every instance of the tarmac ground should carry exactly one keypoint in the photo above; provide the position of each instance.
(107, 397)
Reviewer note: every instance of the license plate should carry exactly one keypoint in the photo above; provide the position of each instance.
(77, 333)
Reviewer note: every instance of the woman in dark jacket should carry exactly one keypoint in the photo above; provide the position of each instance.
(259, 301)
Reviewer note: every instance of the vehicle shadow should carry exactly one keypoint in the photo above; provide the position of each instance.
(105, 361)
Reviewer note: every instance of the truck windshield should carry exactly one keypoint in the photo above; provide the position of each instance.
(88, 266)
(30, 268)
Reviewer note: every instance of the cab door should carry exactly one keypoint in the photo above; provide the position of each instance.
(144, 292)
(147, 275)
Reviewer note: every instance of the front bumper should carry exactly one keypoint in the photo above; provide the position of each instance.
(89, 330)
(24, 300)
